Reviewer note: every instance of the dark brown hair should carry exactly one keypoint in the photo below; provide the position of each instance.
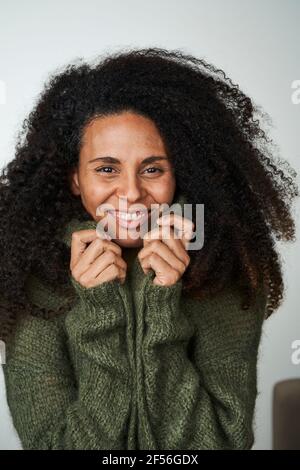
(222, 158)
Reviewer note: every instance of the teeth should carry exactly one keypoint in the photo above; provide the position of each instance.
(127, 216)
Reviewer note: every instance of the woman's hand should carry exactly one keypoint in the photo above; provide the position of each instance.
(100, 262)
(165, 254)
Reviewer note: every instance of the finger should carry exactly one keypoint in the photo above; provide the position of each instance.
(96, 248)
(166, 233)
(184, 225)
(165, 274)
(108, 273)
(105, 259)
(112, 272)
(79, 242)
(165, 252)
(92, 252)
(85, 242)
(100, 229)
(157, 233)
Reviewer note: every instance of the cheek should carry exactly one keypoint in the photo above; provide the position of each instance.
(166, 189)
(93, 194)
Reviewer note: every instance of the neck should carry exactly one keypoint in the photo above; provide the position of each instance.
(130, 253)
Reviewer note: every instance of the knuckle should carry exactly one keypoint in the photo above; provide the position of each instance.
(190, 224)
(82, 281)
(115, 269)
(75, 235)
(156, 243)
(119, 249)
(74, 273)
(152, 257)
(183, 266)
(111, 255)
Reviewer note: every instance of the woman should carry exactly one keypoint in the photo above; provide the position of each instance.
(137, 342)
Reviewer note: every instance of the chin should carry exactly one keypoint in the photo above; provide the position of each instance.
(128, 242)
(123, 237)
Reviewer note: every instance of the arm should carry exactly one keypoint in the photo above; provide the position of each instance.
(59, 405)
(199, 363)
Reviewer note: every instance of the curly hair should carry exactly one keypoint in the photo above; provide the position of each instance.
(221, 155)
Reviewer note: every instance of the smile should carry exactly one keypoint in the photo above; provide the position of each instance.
(129, 216)
(129, 220)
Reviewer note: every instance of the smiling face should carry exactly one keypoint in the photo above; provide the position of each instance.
(123, 163)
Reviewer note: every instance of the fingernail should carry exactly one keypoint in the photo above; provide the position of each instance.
(189, 235)
(162, 219)
(100, 212)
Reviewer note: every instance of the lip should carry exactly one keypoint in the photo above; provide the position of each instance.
(128, 212)
(129, 224)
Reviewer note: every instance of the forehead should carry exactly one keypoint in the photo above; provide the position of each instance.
(125, 129)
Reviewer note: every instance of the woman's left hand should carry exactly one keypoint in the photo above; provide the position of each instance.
(165, 254)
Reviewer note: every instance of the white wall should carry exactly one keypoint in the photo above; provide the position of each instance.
(255, 42)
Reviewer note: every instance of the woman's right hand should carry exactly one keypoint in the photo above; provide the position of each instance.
(100, 262)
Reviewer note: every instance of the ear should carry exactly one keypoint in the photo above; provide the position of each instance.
(74, 182)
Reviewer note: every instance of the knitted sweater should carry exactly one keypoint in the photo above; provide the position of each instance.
(135, 366)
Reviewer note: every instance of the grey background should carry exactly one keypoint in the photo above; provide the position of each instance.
(256, 43)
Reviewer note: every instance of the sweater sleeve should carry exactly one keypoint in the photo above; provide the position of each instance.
(200, 368)
(58, 403)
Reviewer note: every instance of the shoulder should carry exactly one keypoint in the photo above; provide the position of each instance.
(42, 294)
(38, 336)
(228, 306)
(223, 326)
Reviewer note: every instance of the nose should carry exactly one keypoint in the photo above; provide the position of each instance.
(130, 190)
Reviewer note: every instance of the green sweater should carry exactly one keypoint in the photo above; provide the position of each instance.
(135, 366)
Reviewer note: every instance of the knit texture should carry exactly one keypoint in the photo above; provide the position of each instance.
(135, 366)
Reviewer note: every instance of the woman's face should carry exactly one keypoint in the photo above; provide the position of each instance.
(123, 158)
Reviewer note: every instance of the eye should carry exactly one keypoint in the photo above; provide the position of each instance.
(154, 168)
(98, 170)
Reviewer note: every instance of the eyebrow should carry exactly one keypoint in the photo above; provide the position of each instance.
(151, 159)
